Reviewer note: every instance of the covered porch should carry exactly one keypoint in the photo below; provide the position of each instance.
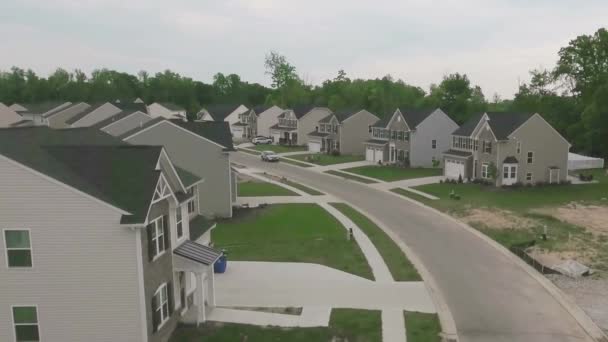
(193, 264)
(284, 135)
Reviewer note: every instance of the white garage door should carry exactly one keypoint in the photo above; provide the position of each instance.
(369, 154)
(379, 154)
(314, 146)
(454, 168)
(276, 136)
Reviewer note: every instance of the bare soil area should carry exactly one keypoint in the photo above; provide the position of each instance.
(497, 219)
(552, 258)
(589, 293)
(592, 217)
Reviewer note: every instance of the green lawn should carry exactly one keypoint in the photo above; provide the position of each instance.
(257, 188)
(347, 176)
(422, 327)
(344, 325)
(326, 159)
(249, 151)
(279, 148)
(395, 173)
(401, 268)
(290, 233)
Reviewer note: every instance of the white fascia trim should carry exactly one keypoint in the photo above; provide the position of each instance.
(54, 181)
(483, 118)
(164, 153)
(146, 222)
(393, 118)
(174, 125)
(545, 121)
(119, 120)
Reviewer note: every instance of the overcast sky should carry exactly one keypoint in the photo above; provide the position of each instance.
(494, 42)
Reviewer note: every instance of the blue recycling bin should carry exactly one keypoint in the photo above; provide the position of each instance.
(221, 264)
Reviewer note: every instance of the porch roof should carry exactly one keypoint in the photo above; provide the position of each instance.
(239, 124)
(197, 252)
(376, 142)
(280, 128)
(510, 160)
(455, 153)
(318, 134)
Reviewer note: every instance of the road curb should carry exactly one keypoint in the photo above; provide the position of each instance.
(583, 320)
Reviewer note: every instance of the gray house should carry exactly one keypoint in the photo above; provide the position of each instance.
(108, 253)
(507, 148)
(410, 137)
(201, 148)
(343, 131)
(37, 113)
(247, 125)
(294, 124)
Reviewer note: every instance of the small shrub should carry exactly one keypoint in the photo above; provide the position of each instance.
(459, 179)
(435, 163)
(441, 181)
(335, 153)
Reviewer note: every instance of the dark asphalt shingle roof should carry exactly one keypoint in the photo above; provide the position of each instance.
(414, 117)
(376, 142)
(383, 122)
(260, 109)
(458, 153)
(88, 111)
(41, 107)
(91, 161)
(197, 252)
(171, 106)
(131, 107)
(22, 123)
(220, 111)
(218, 132)
(510, 160)
(318, 134)
(187, 177)
(300, 111)
(119, 116)
(198, 226)
(137, 129)
(61, 109)
(502, 124)
(288, 129)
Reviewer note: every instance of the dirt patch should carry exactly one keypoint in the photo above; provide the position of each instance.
(497, 219)
(592, 217)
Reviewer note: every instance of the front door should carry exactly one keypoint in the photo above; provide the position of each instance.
(182, 291)
(509, 174)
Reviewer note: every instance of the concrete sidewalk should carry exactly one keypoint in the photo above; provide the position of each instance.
(310, 317)
(341, 166)
(255, 201)
(407, 183)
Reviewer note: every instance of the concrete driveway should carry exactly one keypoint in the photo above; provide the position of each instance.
(490, 296)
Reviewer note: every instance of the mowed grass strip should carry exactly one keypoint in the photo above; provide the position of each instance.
(302, 187)
(290, 233)
(394, 173)
(294, 162)
(327, 159)
(422, 327)
(344, 325)
(259, 188)
(351, 177)
(279, 148)
(400, 267)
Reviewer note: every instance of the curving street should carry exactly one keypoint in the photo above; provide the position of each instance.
(491, 298)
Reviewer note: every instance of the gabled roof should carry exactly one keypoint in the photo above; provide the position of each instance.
(300, 111)
(218, 132)
(502, 124)
(413, 117)
(318, 134)
(510, 160)
(199, 253)
(42, 107)
(261, 109)
(220, 111)
(91, 161)
(187, 177)
(170, 106)
(63, 108)
(88, 111)
(121, 115)
(383, 122)
(142, 127)
(132, 106)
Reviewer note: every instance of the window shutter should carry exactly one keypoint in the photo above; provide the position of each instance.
(151, 246)
(154, 315)
(166, 232)
(170, 297)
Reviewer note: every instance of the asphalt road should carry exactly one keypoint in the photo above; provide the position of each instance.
(491, 298)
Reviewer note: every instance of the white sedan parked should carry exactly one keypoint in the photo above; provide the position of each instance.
(261, 140)
(269, 156)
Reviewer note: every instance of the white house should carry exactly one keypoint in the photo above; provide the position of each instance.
(8, 116)
(167, 110)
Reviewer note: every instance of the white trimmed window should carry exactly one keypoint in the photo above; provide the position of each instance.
(530, 157)
(178, 220)
(529, 176)
(157, 237)
(191, 206)
(161, 310)
(18, 248)
(485, 168)
(476, 145)
(487, 147)
(518, 147)
(433, 144)
(25, 319)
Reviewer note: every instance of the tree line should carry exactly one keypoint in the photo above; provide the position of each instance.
(573, 96)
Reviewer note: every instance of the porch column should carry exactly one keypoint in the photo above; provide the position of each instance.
(200, 298)
(210, 287)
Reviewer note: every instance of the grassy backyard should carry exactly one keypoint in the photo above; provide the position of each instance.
(327, 159)
(290, 233)
(279, 148)
(258, 188)
(351, 177)
(422, 327)
(572, 215)
(400, 267)
(395, 173)
(344, 325)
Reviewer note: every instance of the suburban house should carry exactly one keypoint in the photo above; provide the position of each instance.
(201, 148)
(107, 254)
(103, 111)
(294, 124)
(247, 126)
(414, 138)
(123, 122)
(221, 112)
(507, 148)
(343, 131)
(58, 119)
(167, 110)
(8, 116)
(267, 116)
(37, 113)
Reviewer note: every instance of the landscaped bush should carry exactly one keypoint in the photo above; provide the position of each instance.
(585, 178)
(335, 153)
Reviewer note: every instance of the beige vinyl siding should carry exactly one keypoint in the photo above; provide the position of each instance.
(481, 156)
(308, 122)
(8, 116)
(126, 124)
(101, 113)
(58, 119)
(354, 131)
(201, 157)
(437, 126)
(84, 278)
(267, 119)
